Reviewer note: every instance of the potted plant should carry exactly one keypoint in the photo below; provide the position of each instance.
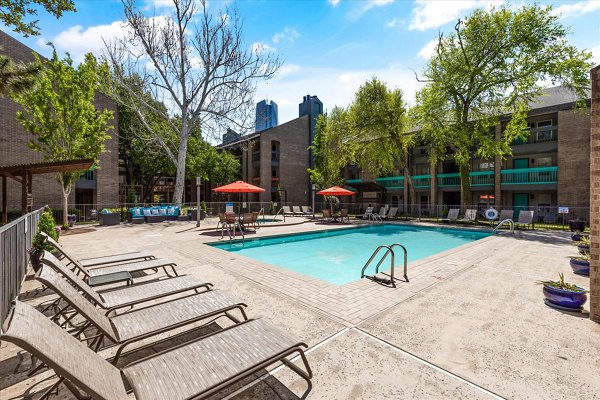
(584, 245)
(47, 225)
(578, 235)
(273, 210)
(576, 225)
(581, 264)
(564, 295)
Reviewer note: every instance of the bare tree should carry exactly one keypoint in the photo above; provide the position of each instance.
(196, 63)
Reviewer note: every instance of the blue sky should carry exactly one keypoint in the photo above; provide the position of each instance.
(329, 47)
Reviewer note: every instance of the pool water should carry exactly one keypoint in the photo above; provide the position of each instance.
(337, 256)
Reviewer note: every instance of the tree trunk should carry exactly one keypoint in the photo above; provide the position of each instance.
(407, 183)
(65, 216)
(465, 186)
(180, 177)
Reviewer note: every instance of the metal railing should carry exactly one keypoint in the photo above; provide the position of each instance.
(15, 241)
(389, 250)
(529, 176)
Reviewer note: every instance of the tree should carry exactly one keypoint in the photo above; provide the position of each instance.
(379, 121)
(13, 13)
(61, 115)
(205, 161)
(493, 64)
(196, 64)
(16, 77)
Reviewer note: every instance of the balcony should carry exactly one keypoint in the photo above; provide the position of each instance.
(421, 181)
(391, 182)
(530, 176)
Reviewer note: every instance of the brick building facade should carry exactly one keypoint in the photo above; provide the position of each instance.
(100, 187)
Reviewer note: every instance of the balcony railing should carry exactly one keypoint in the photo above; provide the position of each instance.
(539, 135)
(482, 178)
(527, 176)
(391, 182)
(446, 180)
(421, 181)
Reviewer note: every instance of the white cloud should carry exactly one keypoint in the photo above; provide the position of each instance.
(78, 40)
(332, 86)
(366, 5)
(159, 4)
(289, 34)
(333, 2)
(428, 14)
(259, 47)
(427, 51)
(288, 69)
(576, 9)
(595, 54)
(392, 23)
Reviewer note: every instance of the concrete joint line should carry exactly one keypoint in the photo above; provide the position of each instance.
(431, 365)
(294, 359)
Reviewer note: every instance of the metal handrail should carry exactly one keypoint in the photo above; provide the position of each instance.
(389, 250)
(405, 261)
(280, 211)
(511, 224)
(373, 217)
(262, 211)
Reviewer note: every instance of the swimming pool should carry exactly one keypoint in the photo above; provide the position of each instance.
(337, 256)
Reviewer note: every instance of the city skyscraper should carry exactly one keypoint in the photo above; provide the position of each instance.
(312, 106)
(266, 115)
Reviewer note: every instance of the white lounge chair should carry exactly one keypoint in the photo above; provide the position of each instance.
(470, 216)
(306, 210)
(297, 211)
(383, 212)
(506, 214)
(525, 219)
(392, 213)
(452, 216)
(287, 212)
(368, 212)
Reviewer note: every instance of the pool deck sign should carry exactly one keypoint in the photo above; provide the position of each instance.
(563, 210)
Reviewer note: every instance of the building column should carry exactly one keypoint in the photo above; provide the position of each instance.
(595, 198)
(497, 169)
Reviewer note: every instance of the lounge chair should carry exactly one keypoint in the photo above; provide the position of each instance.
(130, 295)
(287, 212)
(97, 271)
(506, 214)
(344, 215)
(195, 369)
(470, 217)
(367, 213)
(452, 216)
(297, 211)
(392, 213)
(140, 323)
(98, 261)
(382, 212)
(306, 210)
(525, 219)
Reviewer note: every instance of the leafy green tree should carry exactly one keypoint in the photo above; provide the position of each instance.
(381, 135)
(16, 77)
(13, 13)
(493, 63)
(62, 117)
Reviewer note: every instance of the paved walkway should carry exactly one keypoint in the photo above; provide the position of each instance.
(470, 323)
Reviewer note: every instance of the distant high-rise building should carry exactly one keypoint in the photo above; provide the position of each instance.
(311, 106)
(231, 136)
(266, 115)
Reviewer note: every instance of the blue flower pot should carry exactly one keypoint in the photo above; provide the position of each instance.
(580, 267)
(584, 249)
(576, 237)
(565, 298)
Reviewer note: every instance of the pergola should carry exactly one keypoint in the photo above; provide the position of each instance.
(23, 174)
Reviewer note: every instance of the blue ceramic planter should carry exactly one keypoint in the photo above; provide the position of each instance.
(580, 267)
(576, 237)
(584, 248)
(565, 298)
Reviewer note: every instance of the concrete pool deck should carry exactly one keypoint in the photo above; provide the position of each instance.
(471, 322)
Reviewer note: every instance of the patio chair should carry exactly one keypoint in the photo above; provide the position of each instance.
(231, 224)
(470, 217)
(392, 213)
(452, 216)
(306, 210)
(287, 212)
(525, 219)
(221, 221)
(506, 214)
(97, 261)
(255, 224)
(367, 213)
(344, 215)
(195, 369)
(297, 211)
(137, 266)
(246, 221)
(327, 214)
(140, 323)
(113, 299)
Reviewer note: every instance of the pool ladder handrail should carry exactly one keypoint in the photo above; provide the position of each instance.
(261, 211)
(278, 212)
(390, 250)
(510, 222)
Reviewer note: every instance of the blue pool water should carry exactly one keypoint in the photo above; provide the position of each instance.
(337, 256)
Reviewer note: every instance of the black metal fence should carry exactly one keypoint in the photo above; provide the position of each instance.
(15, 241)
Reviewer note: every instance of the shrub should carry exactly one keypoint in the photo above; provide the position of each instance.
(203, 206)
(47, 225)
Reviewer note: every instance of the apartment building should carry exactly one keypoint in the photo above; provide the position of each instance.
(98, 186)
(548, 169)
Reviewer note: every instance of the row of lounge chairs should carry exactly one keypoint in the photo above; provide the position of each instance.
(384, 212)
(194, 369)
(525, 217)
(297, 211)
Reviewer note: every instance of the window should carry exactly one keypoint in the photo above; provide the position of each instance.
(486, 165)
(544, 161)
(274, 173)
(273, 147)
(542, 124)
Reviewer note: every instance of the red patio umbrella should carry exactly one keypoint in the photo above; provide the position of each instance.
(335, 191)
(238, 187)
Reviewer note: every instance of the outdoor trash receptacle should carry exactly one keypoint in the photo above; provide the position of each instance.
(108, 219)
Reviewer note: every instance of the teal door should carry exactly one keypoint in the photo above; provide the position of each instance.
(520, 202)
(519, 163)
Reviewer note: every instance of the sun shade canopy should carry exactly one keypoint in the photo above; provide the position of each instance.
(238, 187)
(335, 191)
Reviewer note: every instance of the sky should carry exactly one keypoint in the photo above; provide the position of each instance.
(328, 47)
